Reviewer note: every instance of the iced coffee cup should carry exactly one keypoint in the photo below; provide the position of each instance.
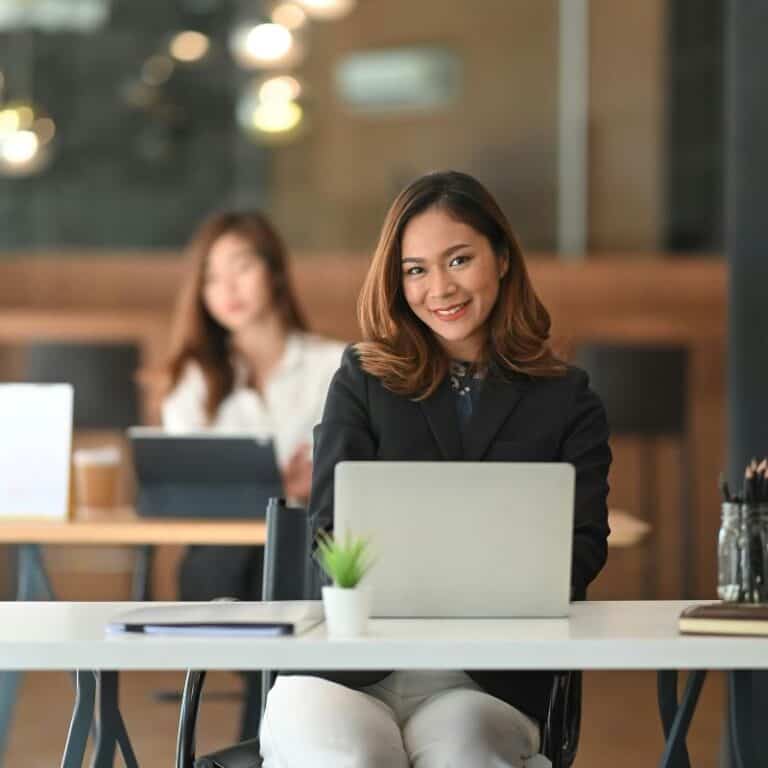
(97, 475)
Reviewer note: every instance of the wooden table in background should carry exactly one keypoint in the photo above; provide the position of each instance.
(123, 527)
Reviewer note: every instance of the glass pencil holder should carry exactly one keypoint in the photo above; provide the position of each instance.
(753, 553)
(729, 577)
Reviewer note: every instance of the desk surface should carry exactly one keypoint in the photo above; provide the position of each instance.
(122, 526)
(598, 635)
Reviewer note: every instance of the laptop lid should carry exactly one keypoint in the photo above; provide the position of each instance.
(203, 474)
(462, 539)
(35, 450)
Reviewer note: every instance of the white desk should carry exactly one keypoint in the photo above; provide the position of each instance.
(598, 635)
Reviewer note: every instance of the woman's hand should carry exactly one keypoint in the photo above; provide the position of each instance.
(297, 474)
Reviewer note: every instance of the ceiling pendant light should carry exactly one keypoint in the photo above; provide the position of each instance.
(289, 14)
(271, 109)
(265, 45)
(26, 139)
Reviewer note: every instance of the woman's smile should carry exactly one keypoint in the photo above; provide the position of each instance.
(454, 312)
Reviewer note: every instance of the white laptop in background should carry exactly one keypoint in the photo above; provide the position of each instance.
(462, 539)
(35, 449)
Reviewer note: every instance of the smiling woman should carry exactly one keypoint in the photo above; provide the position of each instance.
(456, 366)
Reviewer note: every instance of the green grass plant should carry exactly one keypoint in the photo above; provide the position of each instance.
(345, 561)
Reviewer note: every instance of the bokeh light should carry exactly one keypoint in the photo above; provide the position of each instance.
(328, 9)
(189, 46)
(26, 139)
(265, 46)
(290, 15)
(270, 109)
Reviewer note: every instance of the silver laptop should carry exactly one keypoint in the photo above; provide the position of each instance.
(462, 539)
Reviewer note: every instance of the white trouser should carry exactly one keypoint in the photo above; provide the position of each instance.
(423, 719)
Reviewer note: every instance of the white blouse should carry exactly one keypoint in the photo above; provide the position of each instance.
(287, 411)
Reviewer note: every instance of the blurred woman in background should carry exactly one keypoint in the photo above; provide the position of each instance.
(243, 361)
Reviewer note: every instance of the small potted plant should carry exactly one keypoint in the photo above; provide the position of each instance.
(346, 603)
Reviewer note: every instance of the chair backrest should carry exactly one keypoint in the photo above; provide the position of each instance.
(289, 570)
(103, 376)
(643, 387)
(289, 573)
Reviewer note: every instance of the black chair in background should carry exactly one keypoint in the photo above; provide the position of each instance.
(291, 574)
(644, 391)
(103, 376)
(106, 397)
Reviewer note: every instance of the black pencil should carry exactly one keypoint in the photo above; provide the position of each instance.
(725, 491)
(762, 481)
(749, 485)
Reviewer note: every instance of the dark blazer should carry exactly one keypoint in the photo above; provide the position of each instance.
(516, 418)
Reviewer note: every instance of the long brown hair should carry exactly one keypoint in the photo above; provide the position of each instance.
(197, 337)
(400, 349)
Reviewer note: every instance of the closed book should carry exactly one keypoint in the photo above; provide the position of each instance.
(725, 619)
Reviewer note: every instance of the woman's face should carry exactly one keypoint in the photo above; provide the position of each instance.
(237, 288)
(450, 280)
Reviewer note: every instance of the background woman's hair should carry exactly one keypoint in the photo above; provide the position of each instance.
(196, 335)
(400, 349)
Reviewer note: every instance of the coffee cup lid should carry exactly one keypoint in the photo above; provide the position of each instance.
(104, 455)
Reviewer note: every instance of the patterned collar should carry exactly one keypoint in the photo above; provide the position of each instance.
(465, 375)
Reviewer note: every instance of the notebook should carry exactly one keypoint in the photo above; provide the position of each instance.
(234, 619)
(725, 619)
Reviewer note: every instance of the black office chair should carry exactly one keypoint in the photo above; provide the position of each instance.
(644, 391)
(290, 574)
(103, 377)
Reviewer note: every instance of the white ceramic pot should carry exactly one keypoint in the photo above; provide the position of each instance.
(346, 611)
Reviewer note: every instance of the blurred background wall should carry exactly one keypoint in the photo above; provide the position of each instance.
(145, 144)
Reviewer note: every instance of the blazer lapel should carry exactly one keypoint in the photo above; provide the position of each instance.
(498, 398)
(440, 411)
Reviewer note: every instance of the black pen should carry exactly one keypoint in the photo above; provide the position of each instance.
(725, 491)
